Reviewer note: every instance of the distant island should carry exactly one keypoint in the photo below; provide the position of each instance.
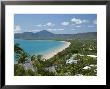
(46, 35)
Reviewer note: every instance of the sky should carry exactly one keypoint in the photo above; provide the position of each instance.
(55, 23)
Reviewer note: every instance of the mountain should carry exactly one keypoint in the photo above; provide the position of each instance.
(46, 35)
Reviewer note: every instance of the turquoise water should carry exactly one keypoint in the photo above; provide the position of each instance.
(39, 47)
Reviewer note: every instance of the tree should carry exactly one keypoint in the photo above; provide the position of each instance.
(19, 70)
(33, 57)
(30, 72)
(39, 57)
(20, 54)
(23, 57)
(17, 48)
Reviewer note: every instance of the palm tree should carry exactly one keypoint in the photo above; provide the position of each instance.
(34, 62)
(39, 57)
(17, 48)
(23, 57)
(20, 54)
(33, 57)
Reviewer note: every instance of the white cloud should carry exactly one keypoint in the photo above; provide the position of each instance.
(78, 26)
(17, 29)
(46, 24)
(60, 29)
(49, 29)
(39, 25)
(95, 21)
(55, 29)
(65, 23)
(91, 26)
(85, 21)
(78, 21)
(49, 24)
(73, 29)
(34, 30)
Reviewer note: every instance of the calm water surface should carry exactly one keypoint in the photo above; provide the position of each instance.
(38, 47)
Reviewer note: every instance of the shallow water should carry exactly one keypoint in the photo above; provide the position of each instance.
(39, 47)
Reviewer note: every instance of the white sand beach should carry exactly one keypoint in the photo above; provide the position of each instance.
(49, 55)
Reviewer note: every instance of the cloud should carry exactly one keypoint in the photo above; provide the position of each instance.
(55, 29)
(65, 23)
(85, 21)
(44, 25)
(78, 26)
(73, 29)
(49, 29)
(49, 24)
(91, 26)
(78, 21)
(95, 21)
(17, 29)
(39, 25)
(60, 29)
(34, 30)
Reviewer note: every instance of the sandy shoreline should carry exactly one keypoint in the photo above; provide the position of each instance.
(49, 55)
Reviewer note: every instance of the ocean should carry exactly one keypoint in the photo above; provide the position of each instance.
(39, 47)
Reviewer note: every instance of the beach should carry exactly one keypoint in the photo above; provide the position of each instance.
(57, 50)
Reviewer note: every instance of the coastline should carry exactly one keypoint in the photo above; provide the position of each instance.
(50, 55)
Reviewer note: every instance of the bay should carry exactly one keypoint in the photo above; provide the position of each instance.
(39, 47)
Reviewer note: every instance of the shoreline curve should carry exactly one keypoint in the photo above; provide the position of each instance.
(57, 50)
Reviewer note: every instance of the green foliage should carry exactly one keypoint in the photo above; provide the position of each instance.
(39, 57)
(19, 70)
(22, 57)
(33, 57)
(29, 72)
(20, 54)
(17, 48)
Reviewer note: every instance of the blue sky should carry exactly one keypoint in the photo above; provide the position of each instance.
(55, 23)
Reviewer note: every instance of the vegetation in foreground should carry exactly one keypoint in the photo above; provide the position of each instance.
(76, 60)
